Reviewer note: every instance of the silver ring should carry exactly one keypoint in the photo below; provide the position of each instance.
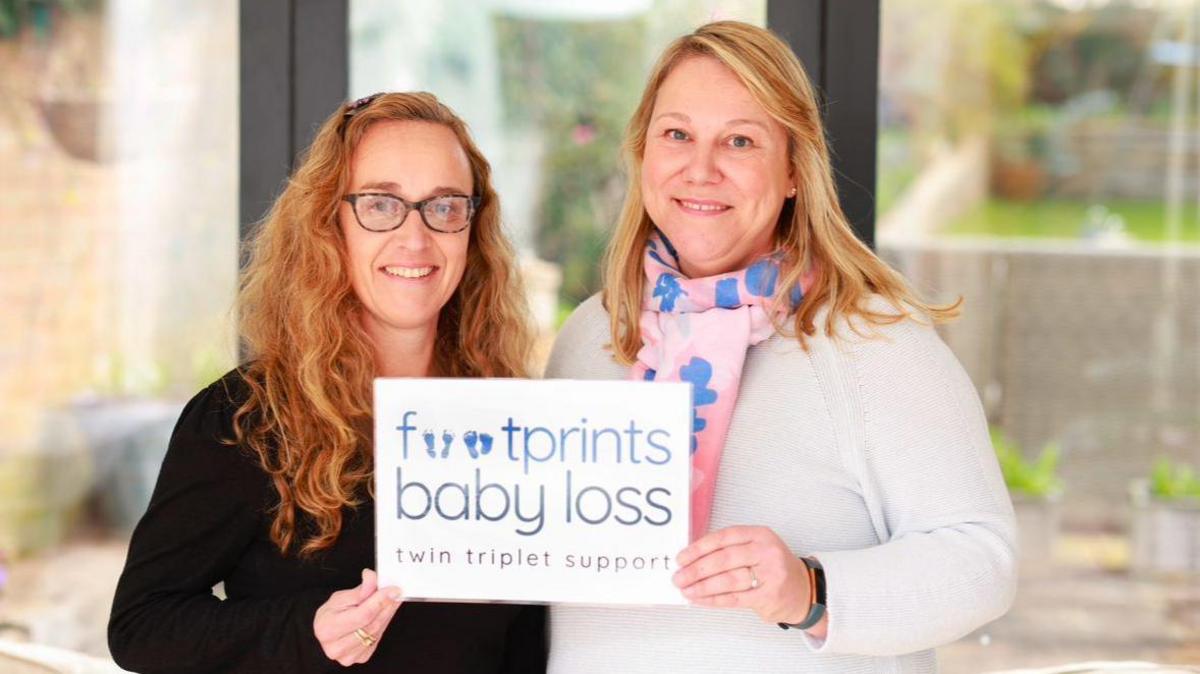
(753, 578)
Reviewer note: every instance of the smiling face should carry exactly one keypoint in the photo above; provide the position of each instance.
(715, 169)
(405, 276)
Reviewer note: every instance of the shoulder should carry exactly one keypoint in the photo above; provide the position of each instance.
(203, 442)
(901, 372)
(887, 330)
(210, 412)
(581, 348)
(588, 322)
(899, 354)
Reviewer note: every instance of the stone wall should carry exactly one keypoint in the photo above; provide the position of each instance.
(1129, 160)
(1096, 349)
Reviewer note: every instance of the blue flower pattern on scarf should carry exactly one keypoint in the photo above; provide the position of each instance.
(727, 293)
(761, 277)
(797, 296)
(669, 290)
(698, 372)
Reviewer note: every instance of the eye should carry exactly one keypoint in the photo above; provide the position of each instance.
(379, 205)
(676, 134)
(741, 142)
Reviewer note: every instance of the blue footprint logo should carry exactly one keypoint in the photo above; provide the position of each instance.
(477, 444)
(470, 439)
(698, 372)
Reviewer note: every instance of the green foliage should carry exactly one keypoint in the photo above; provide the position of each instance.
(15, 14)
(1067, 219)
(565, 309)
(576, 84)
(958, 64)
(1038, 478)
(1174, 481)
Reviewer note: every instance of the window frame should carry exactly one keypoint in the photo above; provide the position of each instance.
(295, 68)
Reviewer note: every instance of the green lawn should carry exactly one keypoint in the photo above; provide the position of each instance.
(1144, 220)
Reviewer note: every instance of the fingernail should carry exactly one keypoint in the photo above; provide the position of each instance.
(395, 596)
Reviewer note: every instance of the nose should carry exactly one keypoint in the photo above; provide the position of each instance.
(412, 234)
(702, 166)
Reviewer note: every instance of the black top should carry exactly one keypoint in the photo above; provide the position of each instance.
(209, 521)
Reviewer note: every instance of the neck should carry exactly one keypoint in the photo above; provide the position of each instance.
(402, 353)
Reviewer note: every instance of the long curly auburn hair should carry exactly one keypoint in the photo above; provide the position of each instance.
(308, 414)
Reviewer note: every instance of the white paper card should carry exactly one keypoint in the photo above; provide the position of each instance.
(523, 490)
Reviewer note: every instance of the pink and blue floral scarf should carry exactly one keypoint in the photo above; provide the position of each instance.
(698, 331)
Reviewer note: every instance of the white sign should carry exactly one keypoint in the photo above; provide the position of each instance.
(521, 490)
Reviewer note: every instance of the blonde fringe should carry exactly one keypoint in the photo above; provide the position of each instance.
(308, 415)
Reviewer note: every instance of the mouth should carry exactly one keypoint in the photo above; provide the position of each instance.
(412, 273)
(702, 207)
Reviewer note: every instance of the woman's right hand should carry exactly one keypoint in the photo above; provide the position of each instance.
(367, 608)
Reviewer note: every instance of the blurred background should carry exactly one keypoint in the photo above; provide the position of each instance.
(1041, 158)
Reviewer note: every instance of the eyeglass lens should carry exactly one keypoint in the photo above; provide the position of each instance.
(380, 212)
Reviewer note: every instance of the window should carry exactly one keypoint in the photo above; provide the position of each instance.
(118, 250)
(1040, 158)
(546, 88)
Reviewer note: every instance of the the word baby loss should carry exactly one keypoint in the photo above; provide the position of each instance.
(520, 490)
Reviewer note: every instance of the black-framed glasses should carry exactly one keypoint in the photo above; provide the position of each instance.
(383, 212)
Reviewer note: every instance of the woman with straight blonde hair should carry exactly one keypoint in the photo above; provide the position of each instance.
(843, 485)
(383, 257)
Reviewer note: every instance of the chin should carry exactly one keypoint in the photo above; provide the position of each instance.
(702, 258)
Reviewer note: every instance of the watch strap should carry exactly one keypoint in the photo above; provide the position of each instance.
(816, 609)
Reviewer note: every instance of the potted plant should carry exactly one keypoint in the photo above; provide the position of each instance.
(1036, 492)
(1166, 519)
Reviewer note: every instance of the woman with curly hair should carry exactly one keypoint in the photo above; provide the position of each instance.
(383, 257)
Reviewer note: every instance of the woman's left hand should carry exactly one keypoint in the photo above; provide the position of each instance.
(745, 567)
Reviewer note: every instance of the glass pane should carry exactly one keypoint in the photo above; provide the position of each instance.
(547, 88)
(1041, 158)
(118, 250)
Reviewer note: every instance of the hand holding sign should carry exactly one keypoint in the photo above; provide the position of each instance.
(351, 621)
(745, 567)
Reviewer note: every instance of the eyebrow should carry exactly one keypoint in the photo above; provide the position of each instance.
(394, 188)
(733, 122)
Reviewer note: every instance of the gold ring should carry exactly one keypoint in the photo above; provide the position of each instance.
(365, 637)
(753, 578)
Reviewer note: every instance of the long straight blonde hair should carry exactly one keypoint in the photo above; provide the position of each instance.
(309, 410)
(812, 231)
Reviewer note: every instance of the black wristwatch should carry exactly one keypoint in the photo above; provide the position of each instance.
(816, 610)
